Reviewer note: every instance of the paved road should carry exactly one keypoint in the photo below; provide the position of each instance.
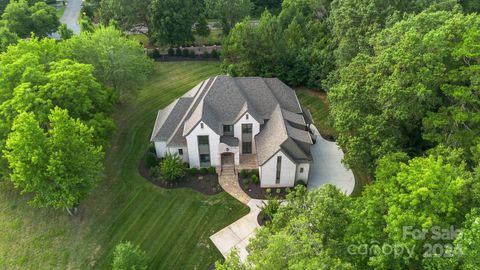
(327, 167)
(71, 14)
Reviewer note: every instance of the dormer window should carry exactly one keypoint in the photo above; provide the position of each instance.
(246, 116)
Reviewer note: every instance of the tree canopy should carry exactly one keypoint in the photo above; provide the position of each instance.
(59, 165)
(55, 111)
(23, 18)
(381, 100)
(129, 257)
(229, 12)
(119, 62)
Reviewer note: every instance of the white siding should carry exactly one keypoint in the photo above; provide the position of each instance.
(231, 149)
(268, 172)
(303, 176)
(192, 144)
(174, 150)
(237, 130)
(161, 149)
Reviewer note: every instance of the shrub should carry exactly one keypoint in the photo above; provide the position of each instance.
(203, 170)
(300, 182)
(254, 171)
(193, 171)
(192, 54)
(126, 256)
(212, 170)
(246, 181)
(151, 160)
(151, 149)
(171, 51)
(271, 207)
(255, 179)
(155, 172)
(178, 52)
(214, 54)
(268, 190)
(206, 54)
(278, 190)
(185, 53)
(171, 168)
(156, 53)
(244, 173)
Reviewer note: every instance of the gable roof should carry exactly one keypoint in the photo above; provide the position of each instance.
(278, 135)
(223, 100)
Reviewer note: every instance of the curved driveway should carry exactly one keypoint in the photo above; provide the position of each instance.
(71, 14)
(327, 166)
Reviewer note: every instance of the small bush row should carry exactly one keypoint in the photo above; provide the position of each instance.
(203, 171)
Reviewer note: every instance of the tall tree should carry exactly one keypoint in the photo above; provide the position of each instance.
(354, 22)
(294, 46)
(7, 38)
(229, 12)
(172, 21)
(130, 15)
(427, 194)
(306, 233)
(59, 166)
(119, 62)
(381, 100)
(24, 19)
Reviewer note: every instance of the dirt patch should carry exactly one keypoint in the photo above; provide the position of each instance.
(256, 192)
(206, 184)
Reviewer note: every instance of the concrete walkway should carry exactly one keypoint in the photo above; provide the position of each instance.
(237, 235)
(327, 167)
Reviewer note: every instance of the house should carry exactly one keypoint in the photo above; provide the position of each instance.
(247, 122)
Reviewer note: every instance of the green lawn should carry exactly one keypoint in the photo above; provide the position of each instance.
(172, 226)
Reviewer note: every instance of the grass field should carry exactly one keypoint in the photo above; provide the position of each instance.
(172, 226)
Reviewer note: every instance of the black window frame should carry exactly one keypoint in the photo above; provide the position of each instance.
(205, 160)
(203, 137)
(228, 129)
(247, 128)
(180, 151)
(279, 170)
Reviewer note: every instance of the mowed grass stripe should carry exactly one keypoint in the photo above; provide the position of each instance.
(169, 229)
(172, 226)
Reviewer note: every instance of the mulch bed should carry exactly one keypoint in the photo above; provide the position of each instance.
(262, 219)
(256, 192)
(206, 184)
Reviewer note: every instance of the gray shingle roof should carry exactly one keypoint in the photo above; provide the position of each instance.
(223, 100)
(229, 140)
(278, 135)
(168, 118)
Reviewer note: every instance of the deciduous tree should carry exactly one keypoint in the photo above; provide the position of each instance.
(229, 12)
(60, 166)
(129, 257)
(119, 62)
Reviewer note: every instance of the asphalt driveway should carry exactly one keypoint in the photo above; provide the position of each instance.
(71, 14)
(327, 166)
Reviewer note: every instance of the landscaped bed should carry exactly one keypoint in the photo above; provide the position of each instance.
(204, 181)
(251, 185)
